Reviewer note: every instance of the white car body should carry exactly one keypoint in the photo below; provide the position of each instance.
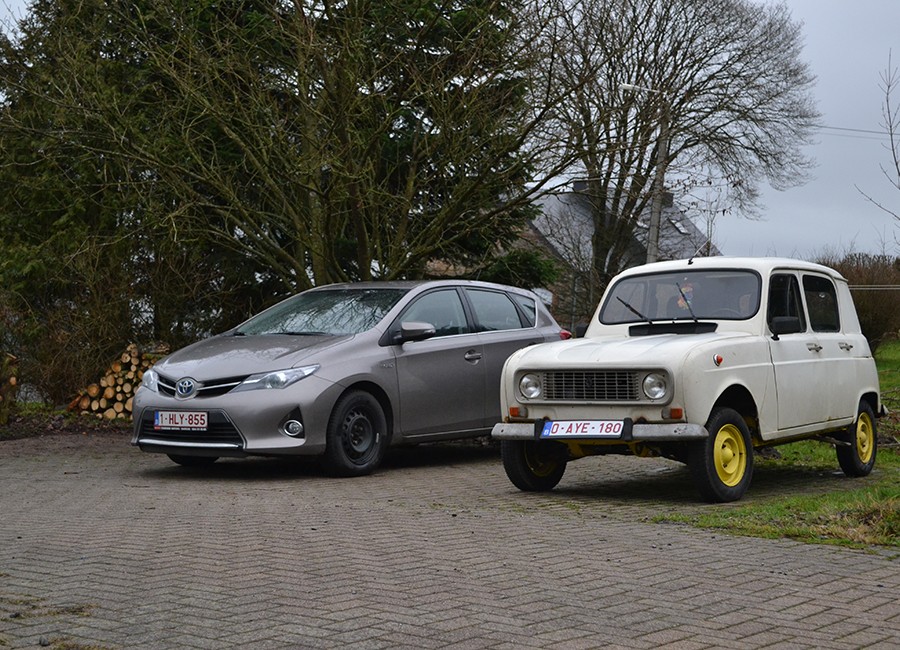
(784, 386)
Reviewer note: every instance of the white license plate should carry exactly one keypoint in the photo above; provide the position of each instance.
(180, 420)
(583, 429)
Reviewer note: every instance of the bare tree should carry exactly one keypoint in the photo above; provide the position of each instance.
(890, 122)
(725, 75)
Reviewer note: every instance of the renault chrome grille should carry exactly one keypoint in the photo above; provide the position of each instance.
(591, 385)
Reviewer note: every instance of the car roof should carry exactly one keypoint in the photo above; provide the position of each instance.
(763, 265)
(412, 284)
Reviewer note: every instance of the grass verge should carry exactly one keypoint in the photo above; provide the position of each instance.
(861, 517)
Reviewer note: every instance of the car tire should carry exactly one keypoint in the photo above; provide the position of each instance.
(192, 461)
(858, 458)
(533, 465)
(722, 464)
(357, 435)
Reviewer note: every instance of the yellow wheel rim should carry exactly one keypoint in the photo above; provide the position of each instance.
(865, 438)
(730, 455)
(539, 465)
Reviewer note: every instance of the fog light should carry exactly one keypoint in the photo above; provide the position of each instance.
(292, 428)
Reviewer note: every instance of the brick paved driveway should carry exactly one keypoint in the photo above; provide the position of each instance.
(102, 546)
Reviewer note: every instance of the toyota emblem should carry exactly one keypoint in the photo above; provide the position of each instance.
(185, 387)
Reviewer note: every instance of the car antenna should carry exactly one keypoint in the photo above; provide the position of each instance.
(696, 252)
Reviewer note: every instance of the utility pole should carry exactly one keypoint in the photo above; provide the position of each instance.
(659, 179)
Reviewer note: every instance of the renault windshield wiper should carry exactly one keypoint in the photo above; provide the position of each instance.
(634, 311)
(686, 302)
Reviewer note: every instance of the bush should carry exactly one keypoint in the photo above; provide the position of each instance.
(874, 282)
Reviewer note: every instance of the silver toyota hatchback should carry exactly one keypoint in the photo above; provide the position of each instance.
(342, 371)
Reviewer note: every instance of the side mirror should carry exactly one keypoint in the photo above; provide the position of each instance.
(785, 325)
(413, 331)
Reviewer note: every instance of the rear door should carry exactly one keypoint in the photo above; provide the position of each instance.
(504, 325)
(836, 357)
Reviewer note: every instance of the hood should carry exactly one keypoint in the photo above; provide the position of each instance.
(237, 356)
(621, 352)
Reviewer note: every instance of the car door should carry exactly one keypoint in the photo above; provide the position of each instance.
(799, 379)
(502, 328)
(440, 379)
(836, 357)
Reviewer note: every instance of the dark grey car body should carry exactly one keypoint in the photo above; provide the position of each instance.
(439, 379)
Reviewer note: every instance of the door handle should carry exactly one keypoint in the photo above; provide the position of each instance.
(813, 347)
(843, 345)
(473, 355)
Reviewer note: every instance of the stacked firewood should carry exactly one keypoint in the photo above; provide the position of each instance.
(9, 385)
(111, 396)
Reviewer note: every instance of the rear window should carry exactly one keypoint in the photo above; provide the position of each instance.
(494, 310)
(821, 303)
(529, 307)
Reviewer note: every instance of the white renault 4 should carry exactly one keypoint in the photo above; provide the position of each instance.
(702, 361)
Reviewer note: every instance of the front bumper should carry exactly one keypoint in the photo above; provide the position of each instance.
(241, 424)
(635, 433)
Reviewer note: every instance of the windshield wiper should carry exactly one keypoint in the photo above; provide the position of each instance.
(686, 302)
(304, 333)
(634, 311)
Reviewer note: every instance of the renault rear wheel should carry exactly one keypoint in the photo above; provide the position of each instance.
(858, 457)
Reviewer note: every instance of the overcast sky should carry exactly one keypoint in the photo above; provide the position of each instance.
(847, 43)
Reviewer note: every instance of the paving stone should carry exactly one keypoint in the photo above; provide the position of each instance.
(103, 546)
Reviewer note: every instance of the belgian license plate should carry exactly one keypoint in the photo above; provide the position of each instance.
(181, 420)
(583, 429)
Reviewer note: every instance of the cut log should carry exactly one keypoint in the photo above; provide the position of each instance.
(93, 390)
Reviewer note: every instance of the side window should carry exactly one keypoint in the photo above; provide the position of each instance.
(784, 298)
(821, 302)
(494, 310)
(443, 309)
(528, 307)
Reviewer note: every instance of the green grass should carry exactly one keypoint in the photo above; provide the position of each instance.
(860, 517)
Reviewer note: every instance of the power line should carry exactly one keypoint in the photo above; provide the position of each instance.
(844, 128)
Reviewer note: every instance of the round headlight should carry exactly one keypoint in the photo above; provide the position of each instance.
(655, 385)
(530, 386)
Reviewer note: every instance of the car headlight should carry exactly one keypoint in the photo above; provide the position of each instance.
(530, 386)
(277, 379)
(150, 380)
(655, 385)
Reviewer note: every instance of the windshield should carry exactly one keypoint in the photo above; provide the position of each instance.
(683, 295)
(327, 311)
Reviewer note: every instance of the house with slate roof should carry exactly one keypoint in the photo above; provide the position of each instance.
(564, 229)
